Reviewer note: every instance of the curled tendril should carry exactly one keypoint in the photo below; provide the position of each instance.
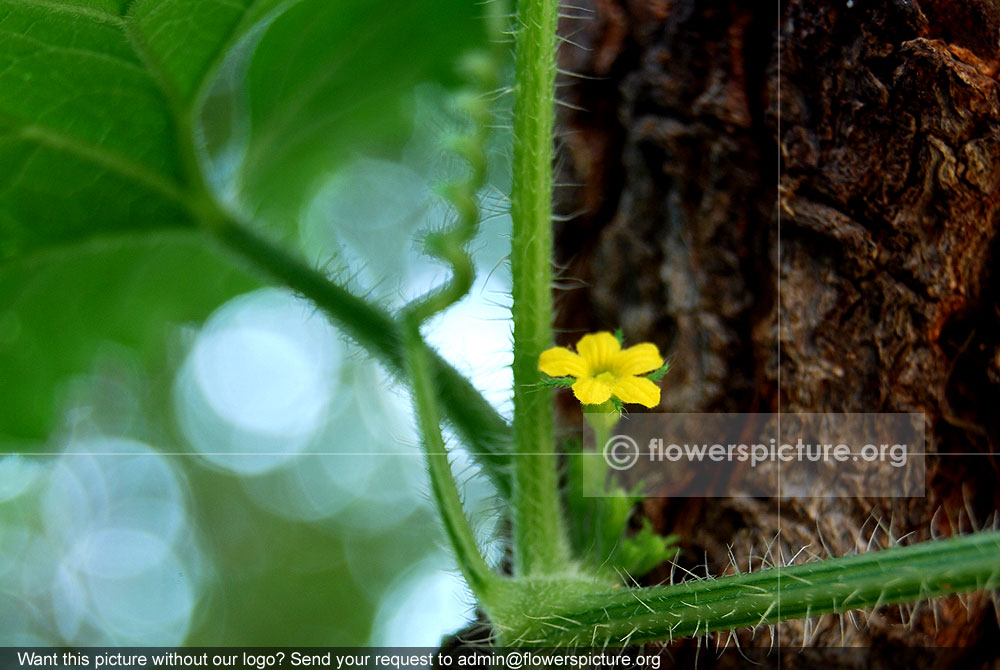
(481, 70)
(482, 73)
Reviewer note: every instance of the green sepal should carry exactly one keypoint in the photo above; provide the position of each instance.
(659, 373)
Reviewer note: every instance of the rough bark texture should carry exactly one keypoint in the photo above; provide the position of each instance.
(871, 140)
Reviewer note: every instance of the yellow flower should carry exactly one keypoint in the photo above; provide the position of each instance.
(602, 369)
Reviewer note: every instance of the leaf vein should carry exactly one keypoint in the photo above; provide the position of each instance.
(76, 10)
(110, 161)
(75, 51)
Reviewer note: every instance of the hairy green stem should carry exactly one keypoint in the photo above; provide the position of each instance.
(482, 429)
(540, 540)
(837, 585)
(445, 493)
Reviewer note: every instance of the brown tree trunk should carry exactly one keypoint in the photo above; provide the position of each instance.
(865, 137)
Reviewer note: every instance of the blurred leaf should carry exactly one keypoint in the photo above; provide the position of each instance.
(331, 79)
(289, 583)
(57, 309)
(188, 39)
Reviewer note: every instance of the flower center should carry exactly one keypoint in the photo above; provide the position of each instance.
(606, 378)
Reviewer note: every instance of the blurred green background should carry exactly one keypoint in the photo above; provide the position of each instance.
(193, 457)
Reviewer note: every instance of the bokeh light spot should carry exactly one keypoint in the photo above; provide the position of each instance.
(258, 383)
(423, 606)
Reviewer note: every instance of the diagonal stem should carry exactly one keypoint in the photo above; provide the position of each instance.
(483, 430)
(837, 585)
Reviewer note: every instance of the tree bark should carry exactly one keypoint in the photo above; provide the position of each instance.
(862, 140)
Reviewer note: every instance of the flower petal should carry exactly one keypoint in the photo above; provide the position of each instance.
(561, 362)
(592, 391)
(636, 389)
(637, 360)
(599, 350)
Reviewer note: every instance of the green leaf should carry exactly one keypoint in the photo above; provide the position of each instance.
(95, 131)
(599, 525)
(69, 168)
(331, 79)
(100, 102)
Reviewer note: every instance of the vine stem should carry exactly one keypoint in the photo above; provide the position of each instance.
(541, 543)
(548, 617)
